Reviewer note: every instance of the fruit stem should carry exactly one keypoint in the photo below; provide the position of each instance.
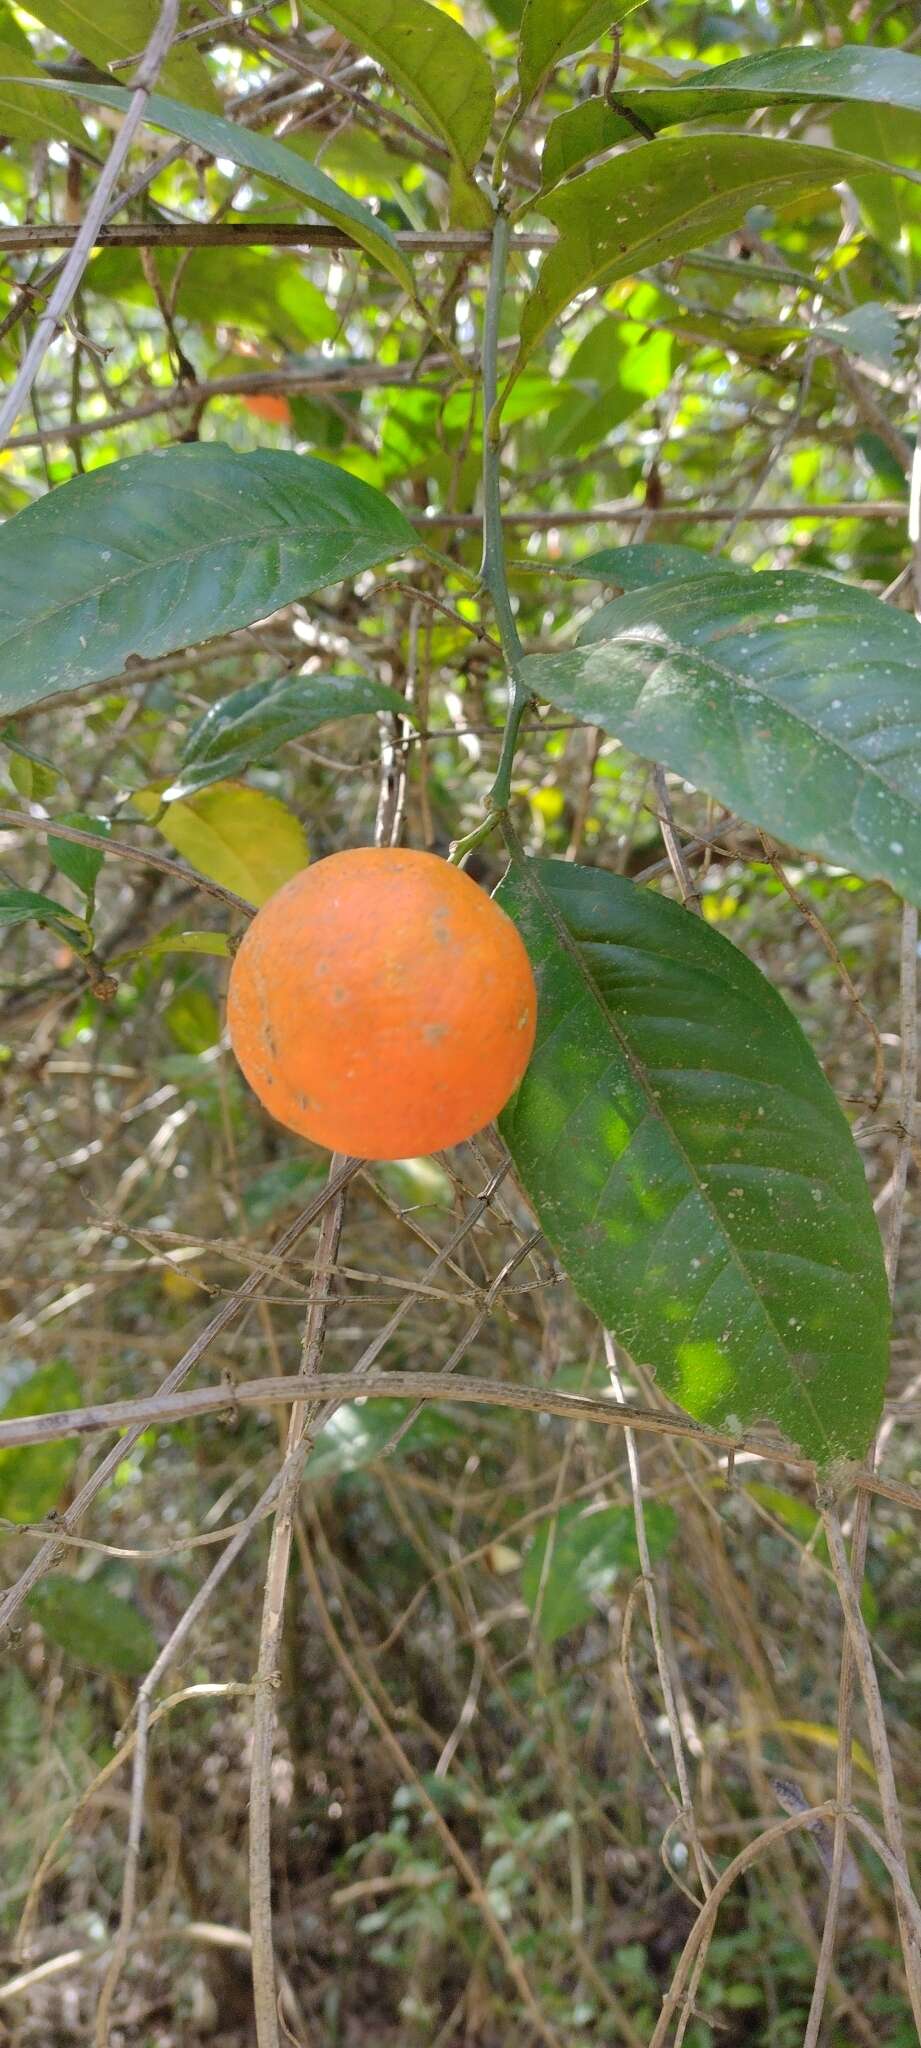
(493, 571)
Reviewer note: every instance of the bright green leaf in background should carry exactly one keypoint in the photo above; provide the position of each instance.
(660, 199)
(93, 1625)
(432, 60)
(239, 837)
(553, 29)
(791, 698)
(587, 1552)
(119, 29)
(33, 1476)
(691, 1166)
(27, 114)
(251, 724)
(169, 548)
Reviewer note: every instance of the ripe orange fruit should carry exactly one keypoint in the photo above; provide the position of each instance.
(266, 406)
(381, 1004)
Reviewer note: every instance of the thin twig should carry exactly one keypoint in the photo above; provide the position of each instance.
(686, 1803)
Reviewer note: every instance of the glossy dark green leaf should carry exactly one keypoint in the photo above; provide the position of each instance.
(121, 29)
(93, 1625)
(167, 549)
(33, 1477)
(268, 159)
(793, 699)
(691, 1166)
(251, 724)
(359, 1434)
(781, 78)
(648, 561)
(431, 59)
(587, 1553)
(79, 863)
(662, 198)
(554, 29)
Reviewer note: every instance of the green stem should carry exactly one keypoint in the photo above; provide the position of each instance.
(493, 571)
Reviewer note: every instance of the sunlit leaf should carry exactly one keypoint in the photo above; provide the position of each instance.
(791, 698)
(33, 1476)
(433, 61)
(247, 841)
(30, 115)
(121, 29)
(689, 1163)
(661, 199)
(553, 29)
(169, 548)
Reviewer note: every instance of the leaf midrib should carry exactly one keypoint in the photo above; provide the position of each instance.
(167, 562)
(570, 946)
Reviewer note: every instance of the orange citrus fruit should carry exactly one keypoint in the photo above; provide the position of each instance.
(382, 1004)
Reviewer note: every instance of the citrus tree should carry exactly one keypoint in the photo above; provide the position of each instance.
(482, 438)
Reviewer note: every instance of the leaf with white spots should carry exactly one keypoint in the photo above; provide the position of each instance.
(791, 698)
(169, 548)
(691, 1166)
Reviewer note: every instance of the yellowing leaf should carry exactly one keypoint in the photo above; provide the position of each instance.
(239, 837)
(811, 1731)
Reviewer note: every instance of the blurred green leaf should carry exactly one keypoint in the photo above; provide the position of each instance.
(358, 1434)
(33, 1477)
(587, 1552)
(122, 29)
(18, 905)
(281, 1186)
(93, 1625)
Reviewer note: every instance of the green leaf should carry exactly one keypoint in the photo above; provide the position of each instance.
(803, 1521)
(32, 778)
(247, 841)
(791, 698)
(779, 78)
(553, 29)
(655, 202)
(268, 159)
(358, 1434)
(192, 1019)
(647, 561)
(251, 724)
(166, 549)
(122, 28)
(82, 1617)
(79, 863)
(587, 1553)
(280, 1186)
(261, 292)
(691, 1166)
(33, 1477)
(432, 60)
(214, 943)
(18, 905)
(25, 113)
(619, 366)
